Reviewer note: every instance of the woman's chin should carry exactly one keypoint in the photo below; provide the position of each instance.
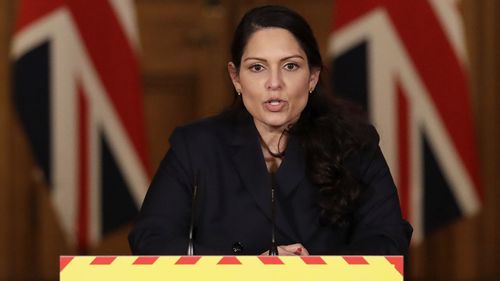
(276, 123)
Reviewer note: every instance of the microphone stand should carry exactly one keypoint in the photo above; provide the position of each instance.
(190, 249)
(273, 251)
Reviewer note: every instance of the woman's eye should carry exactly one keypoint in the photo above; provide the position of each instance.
(291, 66)
(256, 68)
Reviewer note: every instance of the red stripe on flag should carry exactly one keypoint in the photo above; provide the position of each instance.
(145, 260)
(117, 65)
(188, 260)
(229, 260)
(64, 261)
(103, 260)
(403, 151)
(83, 173)
(346, 11)
(32, 10)
(355, 260)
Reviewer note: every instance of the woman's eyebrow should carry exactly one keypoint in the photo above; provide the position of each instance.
(254, 58)
(285, 58)
(293, 57)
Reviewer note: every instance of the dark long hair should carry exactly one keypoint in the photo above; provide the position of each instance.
(327, 131)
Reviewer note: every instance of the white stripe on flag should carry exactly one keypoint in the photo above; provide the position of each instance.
(449, 16)
(95, 183)
(64, 111)
(126, 15)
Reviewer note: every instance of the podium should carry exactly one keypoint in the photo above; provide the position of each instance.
(231, 268)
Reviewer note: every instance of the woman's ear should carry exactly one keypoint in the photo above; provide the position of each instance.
(314, 78)
(235, 78)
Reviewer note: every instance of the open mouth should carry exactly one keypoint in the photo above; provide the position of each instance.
(275, 102)
(275, 105)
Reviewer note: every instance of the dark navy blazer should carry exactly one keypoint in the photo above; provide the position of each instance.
(233, 203)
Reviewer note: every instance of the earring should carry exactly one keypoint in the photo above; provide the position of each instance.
(238, 92)
(310, 91)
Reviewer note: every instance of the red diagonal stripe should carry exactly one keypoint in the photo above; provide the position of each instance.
(398, 263)
(31, 10)
(347, 11)
(270, 260)
(229, 260)
(103, 260)
(116, 63)
(64, 261)
(188, 260)
(313, 260)
(355, 260)
(145, 260)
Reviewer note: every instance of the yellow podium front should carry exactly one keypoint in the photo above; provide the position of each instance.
(231, 268)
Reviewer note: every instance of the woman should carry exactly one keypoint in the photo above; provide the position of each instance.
(285, 166)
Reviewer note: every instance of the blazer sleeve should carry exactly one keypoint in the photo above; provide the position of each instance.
(378, 227)
(163, 222)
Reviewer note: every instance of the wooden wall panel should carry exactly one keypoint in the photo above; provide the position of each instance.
(169, 35)
(215, 92)
(24, 208)
(4, 142)
(484, 41)
(169, 102)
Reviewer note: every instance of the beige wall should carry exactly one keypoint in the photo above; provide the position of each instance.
(178, 89)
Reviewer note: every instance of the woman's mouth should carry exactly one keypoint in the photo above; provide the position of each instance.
(275, 105)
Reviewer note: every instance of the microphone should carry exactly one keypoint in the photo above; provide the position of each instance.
(273, 251)
(190, 249)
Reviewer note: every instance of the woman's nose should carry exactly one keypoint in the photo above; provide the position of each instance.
(274, 81)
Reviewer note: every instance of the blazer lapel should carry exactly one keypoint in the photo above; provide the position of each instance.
(292, 169)
(250, 164)
(288, 178)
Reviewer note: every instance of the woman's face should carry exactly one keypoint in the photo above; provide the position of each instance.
(274, 78)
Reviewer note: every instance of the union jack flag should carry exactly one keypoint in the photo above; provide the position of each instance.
(78, 95)
(406, 63)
